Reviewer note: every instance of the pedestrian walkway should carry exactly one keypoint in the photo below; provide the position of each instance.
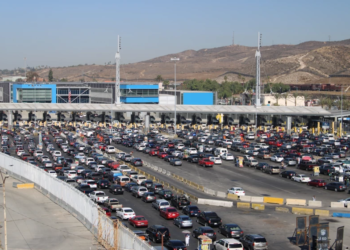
(35, 222)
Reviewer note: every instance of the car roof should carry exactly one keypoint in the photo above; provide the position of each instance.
(256, 236)
(231, 241)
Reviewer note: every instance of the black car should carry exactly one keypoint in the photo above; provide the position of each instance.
(148, 197)
(208, 231)
(86, 189)
(147, 183)
(85, 173)
(165, 194)
(209, 218)
(129, 185)
(261, 165)
(179, 201)
(193, 158)
(191, 210)
(253, 241)
(335, 186)
(175, 244)
(103, 184)
(231, 230)
(155, 233)
(116, 189)
(288, 174)
(137, 162)
(156, 187)
(168, 158)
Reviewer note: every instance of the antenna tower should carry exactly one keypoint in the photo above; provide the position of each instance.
(117, 77)
(258, 56)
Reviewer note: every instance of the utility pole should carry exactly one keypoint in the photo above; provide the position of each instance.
(175, 59)
(117, 77)
(4, 201)
(257, 89)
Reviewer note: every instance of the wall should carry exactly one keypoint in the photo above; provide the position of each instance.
(282, 101)
(34, 86)
(139, 100)
(189, 98)
(166, 99)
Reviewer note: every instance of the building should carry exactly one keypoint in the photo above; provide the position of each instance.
(139, 93)
(13, 78)
(187, 97)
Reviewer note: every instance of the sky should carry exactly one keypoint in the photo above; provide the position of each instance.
(72, 32)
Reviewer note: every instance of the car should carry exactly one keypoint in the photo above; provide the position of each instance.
(272, 170)
(345, 201)
(155, 188)
(290, 161)
(175, 245)
(207, 231)
(253, 241)
(236, 190)
(231, 230)
(180, 201)
(138, 191)
(169, 213)
(158, 233)
(276, 158)
(137, 162)
(125, 213)
(129, 185)
(148, 197)
(317, 183)
(228, 244)
(209, 218)
(138, 221)
(191, 210)
(160, 204)
(227, 157)
(216, 160)
(288, 174)
(147, 183)
(165, 194)
(175, 162)
(183, 221)
(52, 173)
(335, 186)
(116, 189)
(301, 178)
(103, 183)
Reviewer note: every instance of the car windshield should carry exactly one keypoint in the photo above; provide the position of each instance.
(234, 228)
(259, 240)
(128, 211)
(177, 243)
(235, 245)
(212, 215)
(171, 210)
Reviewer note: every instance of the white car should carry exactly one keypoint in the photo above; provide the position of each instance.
(119, 155)
(65, 149)
(237, 191)
(227, 157)
(70, 174)
(124, 168)
(90, 183)
(37, 153)
(345, 201)
(141, 148)
(176, 153)
(179, 146)
(20, 152)
(276, 158)
(110, 149)
(125, 213)
(192, 151)
(301, 178)
(216, 160)
(250, 136)
(228, 244)
(88, 160)
(52, 173)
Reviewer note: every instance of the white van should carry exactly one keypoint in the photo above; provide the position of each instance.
(220, 151)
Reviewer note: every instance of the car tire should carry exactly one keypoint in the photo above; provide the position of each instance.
(206, 224)
(325, 188)
(193, 236)
(336, 190)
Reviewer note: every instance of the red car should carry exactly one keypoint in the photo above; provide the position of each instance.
(138, 221)
(205, 162)
(162, 155)
(169, 213)
(317, 183)
(153, 152)
(171, 145)
(107, 211)
(113, 165)
(278, 143)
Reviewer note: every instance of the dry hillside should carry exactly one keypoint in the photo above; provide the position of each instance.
(302, 63)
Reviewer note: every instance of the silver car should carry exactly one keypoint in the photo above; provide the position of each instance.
(183, 221)
(290, 161)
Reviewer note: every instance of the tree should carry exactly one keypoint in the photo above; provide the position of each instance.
(285, 97)
(159, 78)
(277, 96)
(166, 84)
(295, 95)
(31, 75)
(323, 101)
(50, 76)
(113, 79)
(64, 80)
(225, 78)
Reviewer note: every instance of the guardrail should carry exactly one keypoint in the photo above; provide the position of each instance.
(76, 203)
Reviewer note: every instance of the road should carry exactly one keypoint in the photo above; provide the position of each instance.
(254, 182)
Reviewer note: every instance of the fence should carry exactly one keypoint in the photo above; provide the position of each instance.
(76, 203)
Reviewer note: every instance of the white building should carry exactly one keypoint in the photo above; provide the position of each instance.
(13, 78)
(270, 100)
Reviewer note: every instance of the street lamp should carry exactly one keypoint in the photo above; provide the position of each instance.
(162, 234)
(175, 59)
(4, 201)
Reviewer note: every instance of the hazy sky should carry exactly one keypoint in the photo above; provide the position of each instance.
(63, 33)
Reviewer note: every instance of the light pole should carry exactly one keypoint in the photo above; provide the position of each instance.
(341, 113)
(4, 201)
(175, 59)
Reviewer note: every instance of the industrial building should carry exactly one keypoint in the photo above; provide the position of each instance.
(187, 97)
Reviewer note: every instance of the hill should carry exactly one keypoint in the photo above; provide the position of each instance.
(302, 63)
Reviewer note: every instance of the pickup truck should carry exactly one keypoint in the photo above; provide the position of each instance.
(180, 201)
(112, 204)
(139, 179)
(307, 165)
(98, 196)
(86, 189)
(205, 162)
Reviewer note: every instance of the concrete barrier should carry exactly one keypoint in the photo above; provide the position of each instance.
(243, 205)
(25, 186)
(274, 200)
(257, 199)
(315, 203)
(258, 206)
(168, 173)
(341, 215)
(209, 191)
(218, 203)
(164, 171)
(245, 198)
(322, 212)
(337, 204)
(282, 209)
(305, 211)
(298, 202)
(221, 194)
(232, 197)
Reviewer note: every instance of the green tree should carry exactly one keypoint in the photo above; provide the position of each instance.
(285, 97)
(225, 78)
(113, 79)
(277, 97)
(166, 84)
(323, 101)
(159, 78)
(64, 80)
(50, 76)
(31, 75)
(296, 95)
